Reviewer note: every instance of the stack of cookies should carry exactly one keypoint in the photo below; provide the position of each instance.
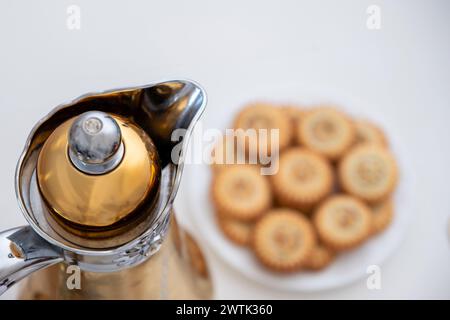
(331, 193)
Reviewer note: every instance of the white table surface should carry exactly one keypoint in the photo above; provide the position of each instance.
(403, 69)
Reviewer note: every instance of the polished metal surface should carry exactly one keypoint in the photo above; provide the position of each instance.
(95, 143)
(159, 109)
(98, 200)
(22, 252)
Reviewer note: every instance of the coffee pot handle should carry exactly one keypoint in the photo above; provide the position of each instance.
(22, 252)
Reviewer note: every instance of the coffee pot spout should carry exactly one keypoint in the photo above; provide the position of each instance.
(171, 106)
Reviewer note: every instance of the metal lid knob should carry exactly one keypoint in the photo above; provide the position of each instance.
(95, 143)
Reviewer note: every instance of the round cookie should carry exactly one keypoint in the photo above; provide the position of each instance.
(326, 131)
(369, 172)
(343, 222)
(241, 192)
(303, 179)
(283, 240)
(319, 258)
(240, 232)
(263, 116)
(382, 214)
(367, 132)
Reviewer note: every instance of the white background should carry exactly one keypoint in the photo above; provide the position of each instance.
(403, 70)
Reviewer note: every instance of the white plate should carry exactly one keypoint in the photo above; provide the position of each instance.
(347, 267)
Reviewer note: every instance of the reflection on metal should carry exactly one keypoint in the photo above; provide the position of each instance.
(125, 249)
(98, 200)
(177, 271)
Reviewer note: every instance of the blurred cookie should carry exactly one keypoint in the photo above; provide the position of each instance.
(294, 114)
(369, 172)
(283, 240)
(303, 179)
(263, 116)
(229, 152)
(367, 132)
(240, 232)
(382, 215)
(343, 222)
(224, 153)
(326, 131)
(319, 258)
(240, 192)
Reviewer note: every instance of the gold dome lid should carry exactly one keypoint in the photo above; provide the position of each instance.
(93, 183)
